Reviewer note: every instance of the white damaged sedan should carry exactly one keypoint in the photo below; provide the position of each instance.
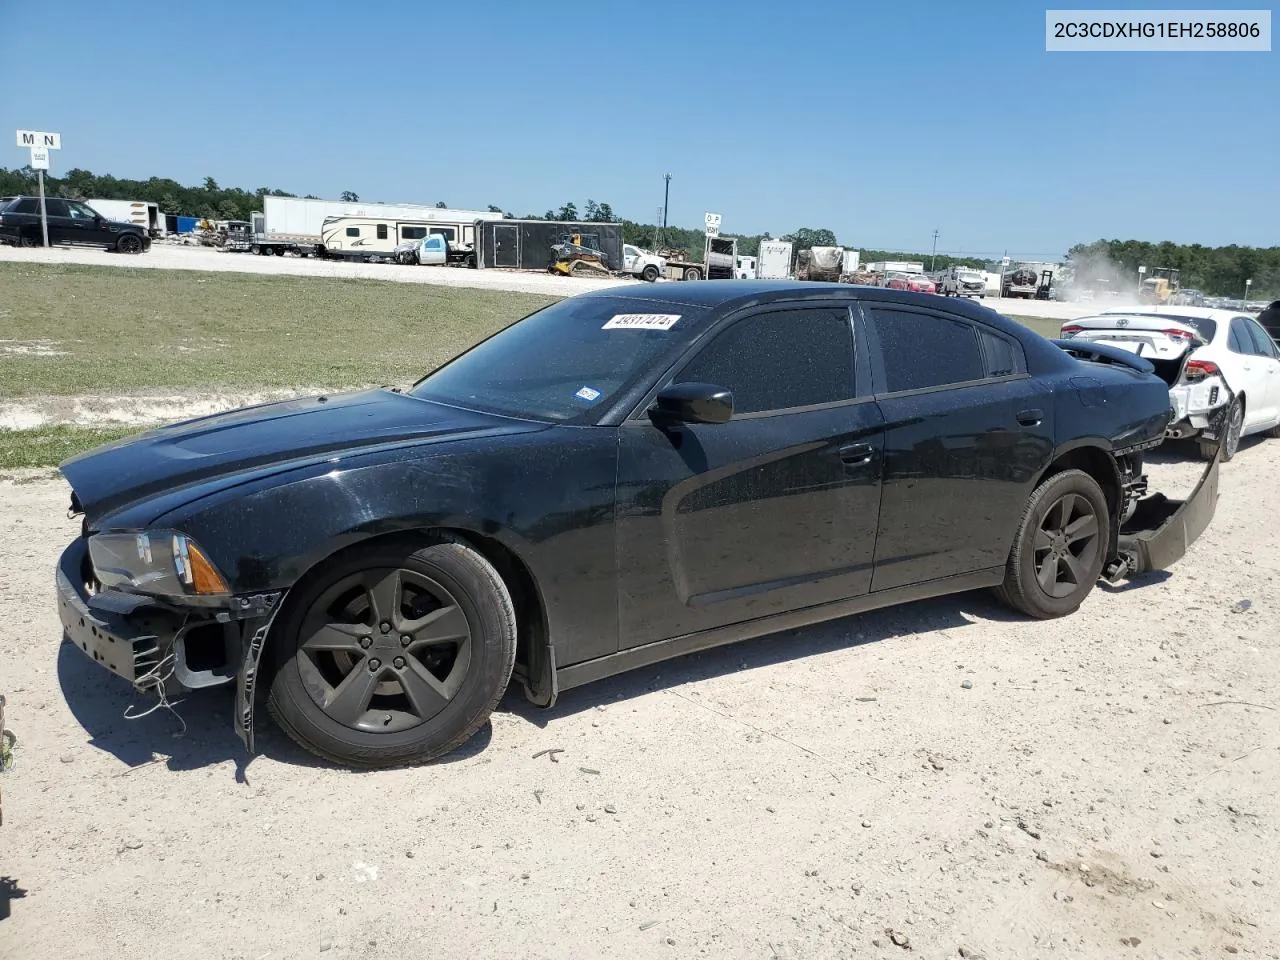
(1209, 358)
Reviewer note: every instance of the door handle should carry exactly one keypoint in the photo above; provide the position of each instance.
(1030, 418)
(857, 454)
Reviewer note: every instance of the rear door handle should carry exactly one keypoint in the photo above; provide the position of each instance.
(856, 454)
(1030, 418)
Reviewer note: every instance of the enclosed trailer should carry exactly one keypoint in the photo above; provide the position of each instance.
(775, 260)
(144, 213)
(526, 244)
(301, 221)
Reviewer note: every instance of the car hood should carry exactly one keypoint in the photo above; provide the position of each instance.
(271, 437)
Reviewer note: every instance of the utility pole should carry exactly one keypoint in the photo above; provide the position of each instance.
(666, 202)
(933, 260)
(657, 229)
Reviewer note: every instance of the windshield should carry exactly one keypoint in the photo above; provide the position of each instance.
(563, 362)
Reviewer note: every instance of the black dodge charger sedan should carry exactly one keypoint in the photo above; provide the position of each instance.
(618, 478)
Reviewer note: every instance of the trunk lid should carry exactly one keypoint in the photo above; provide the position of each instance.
(1166, 343)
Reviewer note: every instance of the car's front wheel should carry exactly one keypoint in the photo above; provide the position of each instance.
(394, 653)
(650, 273)
(1060, 547)
(129, 243)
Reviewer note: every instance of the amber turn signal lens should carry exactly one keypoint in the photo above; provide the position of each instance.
(204, 578)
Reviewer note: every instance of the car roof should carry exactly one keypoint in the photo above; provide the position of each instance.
(724, 295)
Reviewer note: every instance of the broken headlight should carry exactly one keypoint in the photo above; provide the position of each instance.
(159, 562)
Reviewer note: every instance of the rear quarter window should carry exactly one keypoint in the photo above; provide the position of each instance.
(1001, 357)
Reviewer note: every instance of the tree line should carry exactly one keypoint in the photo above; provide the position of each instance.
(1218, 271)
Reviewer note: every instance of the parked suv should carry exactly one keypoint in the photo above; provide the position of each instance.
(70, 221)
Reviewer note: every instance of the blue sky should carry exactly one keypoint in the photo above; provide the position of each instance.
(880, 121)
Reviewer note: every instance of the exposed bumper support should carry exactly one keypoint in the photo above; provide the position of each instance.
(142, 640)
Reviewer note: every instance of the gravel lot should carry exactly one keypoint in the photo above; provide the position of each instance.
(174, 257)
(928, 778)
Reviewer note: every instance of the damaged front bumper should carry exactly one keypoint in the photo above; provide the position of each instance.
(164, 647)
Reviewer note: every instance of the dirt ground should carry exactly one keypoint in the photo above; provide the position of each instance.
(906, 783)
(176, 257)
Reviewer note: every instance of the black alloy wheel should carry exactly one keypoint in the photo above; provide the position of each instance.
(390, 635)
(1060, 546)
(1066, 545)
(129, 243)
(392, 653)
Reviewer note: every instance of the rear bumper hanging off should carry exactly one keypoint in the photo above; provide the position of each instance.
(1161, 529)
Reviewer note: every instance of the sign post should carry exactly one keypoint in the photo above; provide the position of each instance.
(40, 143)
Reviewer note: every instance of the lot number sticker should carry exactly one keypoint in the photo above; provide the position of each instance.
(642, 321)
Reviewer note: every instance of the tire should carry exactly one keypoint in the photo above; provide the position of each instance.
(1040, 551)
(692, 273)
(1230, 440)
(26, 241)
(255, 249)
(471, 262)
(336, 667)
(649, 274)
(129, 243)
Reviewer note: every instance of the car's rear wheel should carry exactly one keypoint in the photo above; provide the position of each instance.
(129, 243)
(393, 654)
(692, 273)
(650, 273)
(1060, 547)
(27, 241)
(1231, 433)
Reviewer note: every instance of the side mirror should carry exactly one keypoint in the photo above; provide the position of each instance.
(693, 403)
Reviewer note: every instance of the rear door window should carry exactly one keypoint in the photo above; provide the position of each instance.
(920, 351)
(55, 207)
(27, 205)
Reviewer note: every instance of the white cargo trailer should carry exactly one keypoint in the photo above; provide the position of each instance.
(144, 213)
(774, 262)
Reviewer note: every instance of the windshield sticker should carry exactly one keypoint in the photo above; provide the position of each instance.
(588, 394)
(642, 321)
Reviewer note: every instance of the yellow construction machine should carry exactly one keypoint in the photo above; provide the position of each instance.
(1161, 287)
(574, 256)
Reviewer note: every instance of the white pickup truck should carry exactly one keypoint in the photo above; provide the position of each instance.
(641, 263)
